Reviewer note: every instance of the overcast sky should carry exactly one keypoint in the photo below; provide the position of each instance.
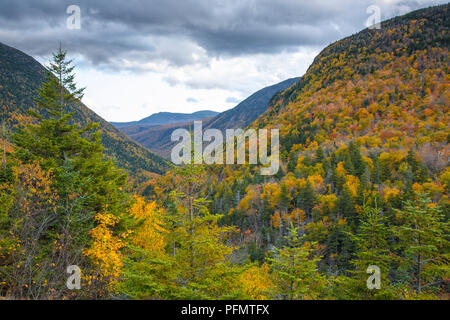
(141, 57)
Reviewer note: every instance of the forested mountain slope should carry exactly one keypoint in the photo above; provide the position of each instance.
(391, 83)
(157, 138)
(364, 138)
(358, 210)
(21, 76)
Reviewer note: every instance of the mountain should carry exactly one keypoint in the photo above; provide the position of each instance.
(364, 144)
(157, 138)
(386, 87)
(163, 118)
(367, 125)
(21, 76)
(250, 109)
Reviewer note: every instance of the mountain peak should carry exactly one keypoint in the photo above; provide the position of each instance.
(164, 118)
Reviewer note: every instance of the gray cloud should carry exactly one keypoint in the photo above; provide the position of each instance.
(140, 35)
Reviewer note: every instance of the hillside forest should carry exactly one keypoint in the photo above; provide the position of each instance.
(364, 181)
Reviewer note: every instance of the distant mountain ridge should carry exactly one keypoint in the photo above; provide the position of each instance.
(157, 138)
(21, 76)
(163, 118)
(250, 109)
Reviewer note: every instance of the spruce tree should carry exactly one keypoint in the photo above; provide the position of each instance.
(200, 252)
(356, 159)
(85, 183)
(345, 208)
(423, 235)
(69, 150)
(320, 156)
(372, 249)
(307, 198)
(294, 269)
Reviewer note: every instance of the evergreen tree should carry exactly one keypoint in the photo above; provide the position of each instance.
(345, 208)
(348, 164)
(418, 171)
(376, 171)
(74, 154)
(200, 253)
(294, 269)
(356, 159)
(372, 249)
(307, 198)
(423, 235)
(339, 249)
(83, 182)
(320, 156)
(292, 161)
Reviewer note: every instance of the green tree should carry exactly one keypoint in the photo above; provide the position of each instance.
(372, 249)
(83, 183)
(306, 199)
(292, 161)
(73, 153)
(294, 269)
(200, 251)
(356, 159)
(320, 156)
(345, 208)
(285, 197)
(339, 248)
(424, 240)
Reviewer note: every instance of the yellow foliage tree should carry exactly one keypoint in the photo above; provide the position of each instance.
(150, 235)
(105, 251)
(256, 282)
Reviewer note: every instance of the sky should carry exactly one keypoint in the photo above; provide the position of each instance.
(136, 58)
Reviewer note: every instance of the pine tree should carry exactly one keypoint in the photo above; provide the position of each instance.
(292, 161)
(85, 184)
(339, 248)
(418, 172)
(356, 159)
(294, 269)
(372, 249)
(59, 88)
(307, 198)
(200, 251)
(348, 164)
(423, 235)
(376, 171)
(345, 208)
(73, 153)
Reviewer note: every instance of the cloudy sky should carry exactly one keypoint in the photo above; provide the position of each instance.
(141, 57)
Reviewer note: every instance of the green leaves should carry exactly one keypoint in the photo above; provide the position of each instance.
(294, 269)
(52, 224)
(424, 238)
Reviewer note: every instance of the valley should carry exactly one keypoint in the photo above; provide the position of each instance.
(357, 209)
